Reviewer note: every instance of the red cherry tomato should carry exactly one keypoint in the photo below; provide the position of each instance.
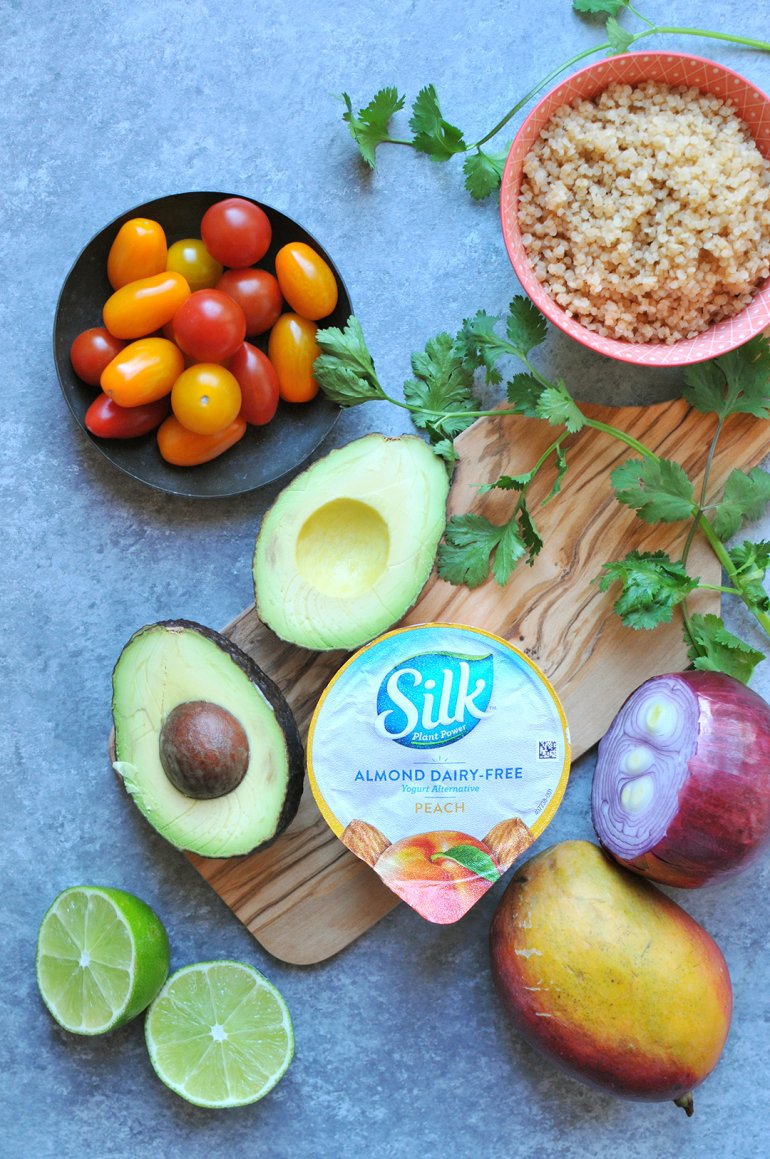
(105, 419)
(307, 282)
(236, 232)
(257, 293)
(206, 398)
(209, 326)
(138, 251)
(139, 308)
(92, 351)
(258, 381)
(292, 349)
(184, 448)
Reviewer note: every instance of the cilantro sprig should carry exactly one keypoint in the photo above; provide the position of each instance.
(440, 140)
(648, 586)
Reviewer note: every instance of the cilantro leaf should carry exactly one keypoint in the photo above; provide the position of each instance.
(745, 497)
(657, 489)
(619, 39)
(509, 483)
(529, 533)
(470, 541)
(369, 127)
(557, 405)
(481, 345)
(751, 561)
(484, 172)
(735, 383)
(714, 649)
(445, 449)
(524, 392)
(345, 370)
(652, 585)
(525, 325)
(431, 133)
(599, 7)
(443, 384)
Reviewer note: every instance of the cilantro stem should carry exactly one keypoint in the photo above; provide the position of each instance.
(533, 93)
(663, 30)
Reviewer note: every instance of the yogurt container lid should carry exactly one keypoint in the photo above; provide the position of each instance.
(437, 754)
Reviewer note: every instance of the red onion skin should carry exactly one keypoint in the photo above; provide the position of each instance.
(723, 819)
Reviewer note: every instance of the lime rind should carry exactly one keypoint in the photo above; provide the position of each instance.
(219, 1034)
(102, 956)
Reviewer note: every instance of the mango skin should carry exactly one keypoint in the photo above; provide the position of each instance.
(609, 978)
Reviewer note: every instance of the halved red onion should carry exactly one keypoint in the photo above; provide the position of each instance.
(681, 791)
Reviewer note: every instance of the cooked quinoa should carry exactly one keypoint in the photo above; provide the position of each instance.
(645, 212)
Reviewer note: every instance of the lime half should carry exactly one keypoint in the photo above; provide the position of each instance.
(219, 1034)
(102, 956)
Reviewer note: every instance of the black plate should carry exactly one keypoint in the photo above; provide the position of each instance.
(264, 453)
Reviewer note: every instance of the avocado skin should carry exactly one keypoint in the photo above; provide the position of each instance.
(283, 715)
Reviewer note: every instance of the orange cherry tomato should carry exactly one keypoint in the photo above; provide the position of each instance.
(140, 307)
(206, 398)
(307, 283)
(292, 349)
(143, 371)
(183, 448)
(138, 251)
(190, 258)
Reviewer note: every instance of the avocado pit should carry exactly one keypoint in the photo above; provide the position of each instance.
(204, 750)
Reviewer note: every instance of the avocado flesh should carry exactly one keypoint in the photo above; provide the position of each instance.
(348, 546)
(167, 664)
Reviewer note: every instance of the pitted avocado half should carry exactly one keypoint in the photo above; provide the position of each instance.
(349, 544)
(221, 776)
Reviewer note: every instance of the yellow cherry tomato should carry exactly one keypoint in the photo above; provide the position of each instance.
(206, 398)
(140, 307)
(142, 372)
(183, 448)
(190, 258)
(138, 251)
(307, 283)
(292, 349)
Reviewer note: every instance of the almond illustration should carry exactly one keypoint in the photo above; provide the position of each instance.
(508, 840)
(365, 841)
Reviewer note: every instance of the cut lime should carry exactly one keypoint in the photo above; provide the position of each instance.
(219, 1034)
(102, 956)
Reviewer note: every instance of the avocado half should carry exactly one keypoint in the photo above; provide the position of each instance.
(349, 544)
(176, 662)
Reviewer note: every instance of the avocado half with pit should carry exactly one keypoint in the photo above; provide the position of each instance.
(349, 544)
(204, 740)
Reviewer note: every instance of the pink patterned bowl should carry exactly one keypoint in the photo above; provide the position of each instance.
(751, 105)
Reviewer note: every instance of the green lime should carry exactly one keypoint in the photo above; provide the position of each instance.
(102, 956)
(219, 1034)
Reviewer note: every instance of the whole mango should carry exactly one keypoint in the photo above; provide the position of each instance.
(609, 978)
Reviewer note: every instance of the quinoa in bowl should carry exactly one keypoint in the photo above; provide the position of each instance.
(645, 211)
(635, 207)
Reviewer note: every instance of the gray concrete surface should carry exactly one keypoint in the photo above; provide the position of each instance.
(401, 1048)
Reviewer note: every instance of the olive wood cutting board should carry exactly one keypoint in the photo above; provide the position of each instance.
(307, 897)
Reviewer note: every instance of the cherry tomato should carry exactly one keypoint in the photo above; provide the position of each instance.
(140, 307)
(258, 382)
(206, 398)
(209, 326)
(92, 351)
(192, 260)
(257, 293)
(144, 371)
(105, 419)
(236, 232)
(307, 283)
(292, 349)
(184, 448)
(138, 251)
